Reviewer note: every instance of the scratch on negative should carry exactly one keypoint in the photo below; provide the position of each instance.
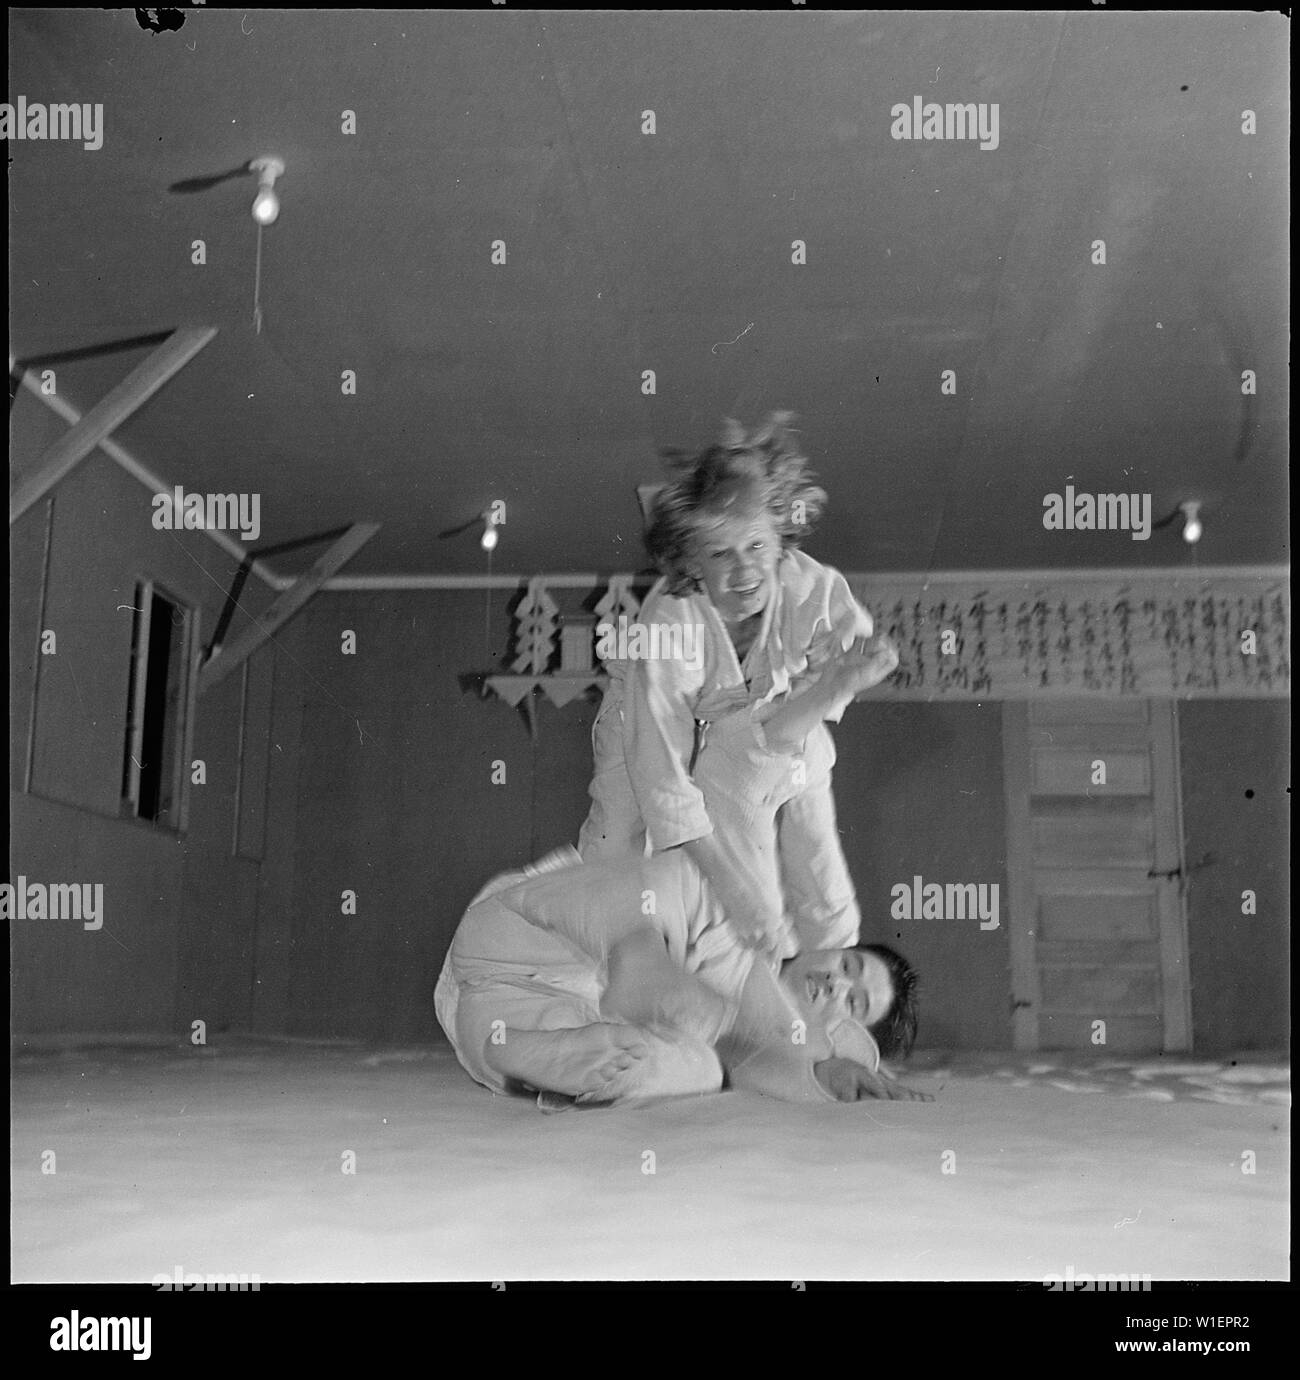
(1127, 1221)
(118, 942)
(713, 350)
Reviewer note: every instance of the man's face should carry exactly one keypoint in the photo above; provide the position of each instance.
(830, 983)
(735, 559)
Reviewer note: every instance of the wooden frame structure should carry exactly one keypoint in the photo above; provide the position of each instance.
(237, 651)
(108, 414)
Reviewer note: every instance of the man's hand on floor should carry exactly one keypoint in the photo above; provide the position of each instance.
(847, 1081)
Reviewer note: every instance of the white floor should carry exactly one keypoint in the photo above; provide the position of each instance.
(229, 1160)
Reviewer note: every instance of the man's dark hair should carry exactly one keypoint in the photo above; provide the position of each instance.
(896, 1034)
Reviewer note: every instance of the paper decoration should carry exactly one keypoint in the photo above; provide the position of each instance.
(618, 599)
(577, 644)
(537, 620)
(1165, 637)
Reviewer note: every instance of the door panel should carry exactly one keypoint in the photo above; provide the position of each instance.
(1098, 935)
(1107, 915)
(1124, 1034)
(1068, 771)
(1118, 837)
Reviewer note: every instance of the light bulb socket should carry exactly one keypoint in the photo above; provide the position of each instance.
(267, 170)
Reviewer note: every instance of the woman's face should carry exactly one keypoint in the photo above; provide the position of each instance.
(735, 559)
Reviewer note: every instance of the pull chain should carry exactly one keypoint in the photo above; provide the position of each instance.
(257, 285)
(487, 615)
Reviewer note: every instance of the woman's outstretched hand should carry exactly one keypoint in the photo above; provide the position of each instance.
(867, 662)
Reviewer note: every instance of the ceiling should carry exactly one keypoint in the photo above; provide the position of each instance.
(671, 252)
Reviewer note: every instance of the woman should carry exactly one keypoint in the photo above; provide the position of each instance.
(728, 755)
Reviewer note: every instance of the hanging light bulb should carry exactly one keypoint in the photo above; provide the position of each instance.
(1192, 528)
(266, 205)
(488, 540)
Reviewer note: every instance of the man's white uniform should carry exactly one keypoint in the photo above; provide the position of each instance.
(531, 954)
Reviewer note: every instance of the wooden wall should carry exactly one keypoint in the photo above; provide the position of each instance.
(1236, 815)
(395, 801)
(176, 943)
(372, 773)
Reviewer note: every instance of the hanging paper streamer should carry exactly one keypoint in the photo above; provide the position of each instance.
(537, 622)
(617, 602)
(1225, 637)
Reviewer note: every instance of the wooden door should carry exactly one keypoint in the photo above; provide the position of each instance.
(1095, 869)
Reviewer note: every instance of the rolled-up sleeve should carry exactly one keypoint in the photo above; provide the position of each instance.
(842, 620)
(660, 735)
(839, 620)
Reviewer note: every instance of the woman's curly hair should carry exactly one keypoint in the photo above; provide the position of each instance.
(763, 468)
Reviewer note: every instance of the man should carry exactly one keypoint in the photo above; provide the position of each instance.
(614, 981)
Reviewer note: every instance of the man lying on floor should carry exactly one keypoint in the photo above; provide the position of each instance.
(607, 982)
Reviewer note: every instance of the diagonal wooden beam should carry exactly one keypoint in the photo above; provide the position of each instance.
(139, 385)
(263, 628)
